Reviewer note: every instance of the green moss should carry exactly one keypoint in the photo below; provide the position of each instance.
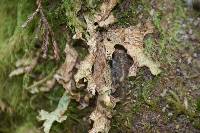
(164, 45)
(27, 128)
(141, 89)
(7, 24)
(128, 17)
(15, 41)
(11, 47)
(72, 7)
(174, 99)
(198, 104)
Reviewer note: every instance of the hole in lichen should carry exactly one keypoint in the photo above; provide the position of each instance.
(101, 29)
(81, 48)
(108, 39)
(120, 47)
(38, 44)
(121, 62)
(95, 24)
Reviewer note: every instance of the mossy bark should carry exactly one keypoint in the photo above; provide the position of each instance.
(66, 17)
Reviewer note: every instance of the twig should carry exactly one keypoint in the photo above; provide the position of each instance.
(45, 43)
(30, 18)
(48, 33)
(41, 81)
(49, 30)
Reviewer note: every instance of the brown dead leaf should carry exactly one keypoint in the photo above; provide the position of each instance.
(65, 74)
(25, 65)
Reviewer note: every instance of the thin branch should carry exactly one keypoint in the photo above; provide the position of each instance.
(38, 83)
(30, 18)
(48, 33)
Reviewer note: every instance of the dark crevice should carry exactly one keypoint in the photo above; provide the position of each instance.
(81, 48)
(120, 64)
